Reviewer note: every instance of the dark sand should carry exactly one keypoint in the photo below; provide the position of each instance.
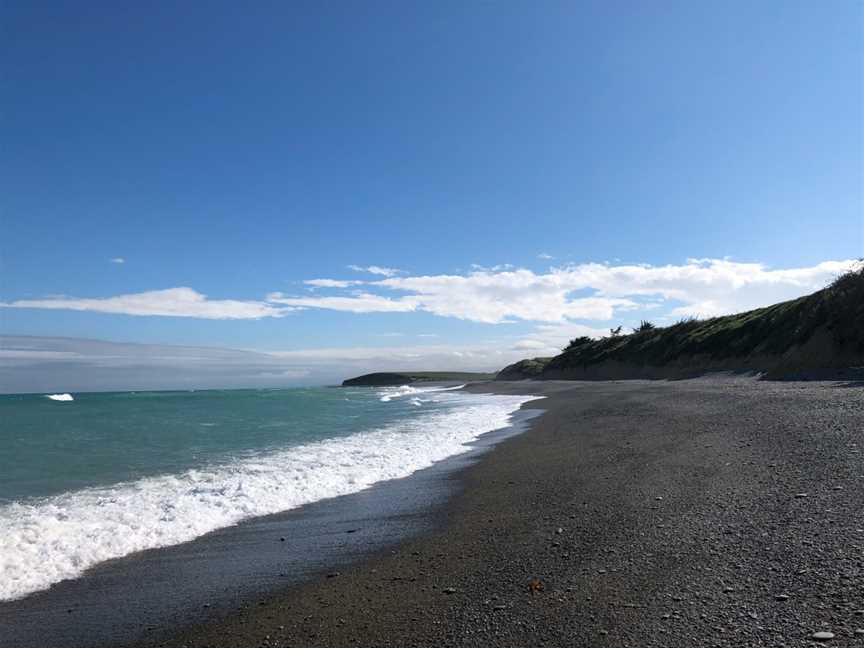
(710, 512)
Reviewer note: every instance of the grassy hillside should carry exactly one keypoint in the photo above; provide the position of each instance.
(530, 368)
(824, 330)
(380, 379)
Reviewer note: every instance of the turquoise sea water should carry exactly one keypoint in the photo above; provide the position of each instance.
(89, 477)
(52, 446)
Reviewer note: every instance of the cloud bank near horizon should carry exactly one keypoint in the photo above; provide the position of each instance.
(54, 364)
(561, 295)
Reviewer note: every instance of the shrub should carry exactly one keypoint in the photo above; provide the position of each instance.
(644, 326)
(575, 343)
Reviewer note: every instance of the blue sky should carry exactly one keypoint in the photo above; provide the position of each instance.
(240, 151)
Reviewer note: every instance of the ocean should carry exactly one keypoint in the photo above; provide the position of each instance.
(86, 478)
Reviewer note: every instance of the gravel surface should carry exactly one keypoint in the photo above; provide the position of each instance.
(709, 512)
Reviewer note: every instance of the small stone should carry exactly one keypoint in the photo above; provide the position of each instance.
(800, 495)
(658, 498)
(822, 636)
(859, 631)
(859, 612)
(499, 607)
(281, 539)
(449, 590)
(837, 488)
(559, 530)
(781, 597)
(332, 575)
(604, 632)
(728, 589)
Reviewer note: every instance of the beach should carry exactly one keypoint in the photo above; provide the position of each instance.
(707, 512)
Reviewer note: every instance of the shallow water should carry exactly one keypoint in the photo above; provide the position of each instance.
(101, 476)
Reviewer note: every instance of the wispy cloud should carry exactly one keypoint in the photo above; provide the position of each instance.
(357, 303)
(376, 270)
(172, 302)
(549, 339)
(118, 260)
(42, 364)
(545, 256)
(476, 267)
(331, 283)
(33, 364)
(702, 287)
(591, 291)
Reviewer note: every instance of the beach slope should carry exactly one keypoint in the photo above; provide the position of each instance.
(708, 512)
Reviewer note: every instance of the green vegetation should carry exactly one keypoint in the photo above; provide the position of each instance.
(381, 379)
(531, 368)
(769, 339)
(838, 310)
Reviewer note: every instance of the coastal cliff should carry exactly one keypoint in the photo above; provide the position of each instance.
(815, 336)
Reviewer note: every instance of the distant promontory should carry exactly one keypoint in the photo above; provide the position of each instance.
(384, 379)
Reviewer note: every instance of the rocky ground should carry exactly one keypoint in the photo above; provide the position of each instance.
(709, 512)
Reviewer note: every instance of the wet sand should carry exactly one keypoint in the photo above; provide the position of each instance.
(707, 512)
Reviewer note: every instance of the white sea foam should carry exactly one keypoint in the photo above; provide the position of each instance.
(60, 397)
(55, 538)
(389, 393)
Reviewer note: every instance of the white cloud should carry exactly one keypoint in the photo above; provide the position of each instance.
(118, 260)
(171, 302)
(488, 296)
(331, 283)
(702, 287)
(494, 297)
(590, 291)
(402, 358)
(376, 270)
(545, 256)
(705, 287)
(554, 337)
(358, 303)
(529, 345)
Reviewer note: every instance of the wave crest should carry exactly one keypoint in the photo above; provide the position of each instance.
(55, 538)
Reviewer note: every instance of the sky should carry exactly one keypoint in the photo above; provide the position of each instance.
(289, 193)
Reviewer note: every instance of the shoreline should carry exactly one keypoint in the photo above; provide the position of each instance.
(710, 512)
(707, 512)
(164, 591)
